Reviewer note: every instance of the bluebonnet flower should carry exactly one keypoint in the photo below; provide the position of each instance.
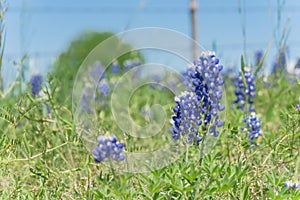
(207, 84)
(103, 88)
(201, 106)
(297, 66)
(186, 77)
(245, 94)
(108, 148)
(290, 184)
(258, 57)
(156, 78)
(97, 70)
(253, 128)
(297, 105)
(85, 102)
(36, 84)
(187, 118)
(128, 64)
(115, 68)
(281, 60)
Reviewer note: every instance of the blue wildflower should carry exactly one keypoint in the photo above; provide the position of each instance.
(108, 148)
(297, 105)
(186, 80)
(115, 68)
(85, 102)
(258, 57)
(187, 118)
(253, 128)
(201, 106)
(128, 64)
(36, 84)
(103, 88)
(245, 94)
(97, 70)
(281, 61)
(207, 83)
(297, 66)
(156, 78)
(290, 184)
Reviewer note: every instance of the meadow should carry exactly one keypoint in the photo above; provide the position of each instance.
(42, 156)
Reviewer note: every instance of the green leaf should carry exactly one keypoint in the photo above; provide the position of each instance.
(187, 177)
(155, 196)
(243, 71)
(245, 193)
(155, 188)
(26, 145)
(226, 187)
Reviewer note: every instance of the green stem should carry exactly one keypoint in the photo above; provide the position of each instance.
(186, 153)
(204, 130)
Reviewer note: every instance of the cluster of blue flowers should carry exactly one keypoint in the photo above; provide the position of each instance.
(115, 68)
(108, 148)
(186, 80)
(290, 184)
(97, 69)
(128, 64)
(104, 85)
(253, 128)
(297, 66)
(36, 84)
(258, 57)
(187, 118)
(36, 87)
(88, 93)
(103, 88)
(201, 106)
(245, 93)
(85, 102)
(207, 84)
(281, 61)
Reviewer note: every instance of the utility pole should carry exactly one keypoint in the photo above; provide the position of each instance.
(193, 8)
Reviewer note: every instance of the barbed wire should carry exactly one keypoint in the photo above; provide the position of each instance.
(153, 10)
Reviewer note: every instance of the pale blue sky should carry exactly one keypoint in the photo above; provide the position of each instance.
(44, 28)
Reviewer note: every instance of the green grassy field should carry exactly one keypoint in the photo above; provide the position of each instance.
(42, 156)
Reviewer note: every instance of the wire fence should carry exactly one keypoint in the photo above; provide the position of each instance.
(149, 10)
